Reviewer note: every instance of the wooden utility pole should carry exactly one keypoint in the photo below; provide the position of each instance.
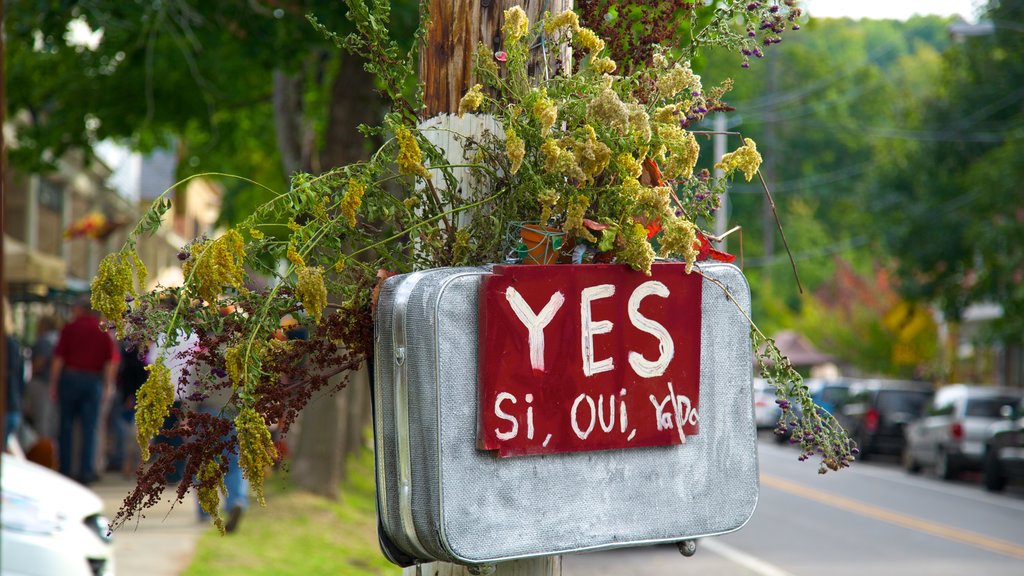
(446, 70)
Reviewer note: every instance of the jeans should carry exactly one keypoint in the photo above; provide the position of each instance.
(11, 424)
(170, 422)
(236, 485)
(79, 397)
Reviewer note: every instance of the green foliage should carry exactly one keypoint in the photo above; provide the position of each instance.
(299, 533)
(960, 225)
(572, 147)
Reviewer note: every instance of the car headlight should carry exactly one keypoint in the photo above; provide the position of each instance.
(23, 514)
(100, 526)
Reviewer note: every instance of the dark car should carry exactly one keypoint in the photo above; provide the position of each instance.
(1004, 450)
(876, 411)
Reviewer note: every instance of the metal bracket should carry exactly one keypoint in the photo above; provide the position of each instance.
(687, 547)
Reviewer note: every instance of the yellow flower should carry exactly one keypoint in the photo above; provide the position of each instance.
(636, 250)
(627, 166)
(546, 113)
(214, 264)
(461, 246)
(235, 365)
(352, 200)
(255, 448)
(652, 201)
(472, 100)
(679, 237)
(410, 159)
(603, 65)
(745, 157)
(639, 124)
(667, 114)
(574, 213)
(608, 108)
(592, 155)
(515, 148)
(294, 257)
(153, 404)
(589, 40)
(567, 20)
(112, 284)
(682, 151)
(517, 24)
(311, 291)
(551, 151)
(677, 79)
(210, 487)
(548, 199)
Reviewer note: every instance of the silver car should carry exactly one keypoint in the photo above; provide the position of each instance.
(950, 436)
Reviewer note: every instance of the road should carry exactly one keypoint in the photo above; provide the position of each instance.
(870, 519)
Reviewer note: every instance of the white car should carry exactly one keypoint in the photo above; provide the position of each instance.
(766, 410)
(51, 526)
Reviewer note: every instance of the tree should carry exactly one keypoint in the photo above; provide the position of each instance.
(241, 87)
(955, 217)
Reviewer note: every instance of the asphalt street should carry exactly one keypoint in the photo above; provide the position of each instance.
(873, 518)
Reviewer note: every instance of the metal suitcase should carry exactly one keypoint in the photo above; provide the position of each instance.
(440, 497)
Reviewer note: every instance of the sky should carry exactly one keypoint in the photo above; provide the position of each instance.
(894, 9)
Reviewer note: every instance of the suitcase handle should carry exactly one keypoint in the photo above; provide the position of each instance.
(400, 340)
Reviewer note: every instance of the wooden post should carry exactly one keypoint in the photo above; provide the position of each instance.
(446, 70)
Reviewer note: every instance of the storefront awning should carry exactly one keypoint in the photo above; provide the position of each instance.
(23, 265)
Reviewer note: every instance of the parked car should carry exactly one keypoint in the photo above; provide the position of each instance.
(766, 411)
(1004, 450)
(830, 394)
(876, 411)
(950, 437)
(51, 526)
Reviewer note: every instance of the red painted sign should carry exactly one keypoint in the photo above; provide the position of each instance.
(588, 357)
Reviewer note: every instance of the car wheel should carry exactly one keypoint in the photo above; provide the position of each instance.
(944, 466)
(993, 473)
(910, 464)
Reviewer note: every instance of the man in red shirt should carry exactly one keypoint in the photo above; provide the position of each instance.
(81, 380)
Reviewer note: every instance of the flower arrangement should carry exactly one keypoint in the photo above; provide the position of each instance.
(601, 151)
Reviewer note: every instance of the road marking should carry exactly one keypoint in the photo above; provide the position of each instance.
(737, 556)
(960, 491)
(897, 518)
(965, 492)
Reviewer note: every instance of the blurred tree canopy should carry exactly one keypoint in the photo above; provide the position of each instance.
(888, 144)
(238, 86)
(952, 212)
(831, 106)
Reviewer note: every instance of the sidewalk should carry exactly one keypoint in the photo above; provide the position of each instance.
(162, 543)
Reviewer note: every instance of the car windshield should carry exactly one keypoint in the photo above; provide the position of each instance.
(907, 401)
(988, 407)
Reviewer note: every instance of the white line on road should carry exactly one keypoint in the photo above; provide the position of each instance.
(737, 556)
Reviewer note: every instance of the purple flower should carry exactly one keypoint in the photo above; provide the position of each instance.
(745, 64)
(183, 255)
(218, 372)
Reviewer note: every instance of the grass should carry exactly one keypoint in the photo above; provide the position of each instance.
(299, 533)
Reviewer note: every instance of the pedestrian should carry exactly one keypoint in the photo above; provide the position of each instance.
(219, 400)
(179, 358)
(40, 409)
(82, 377)
(15, 376)
(131, 375)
